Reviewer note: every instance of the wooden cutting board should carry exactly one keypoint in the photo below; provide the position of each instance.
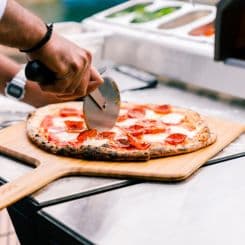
(14, 143)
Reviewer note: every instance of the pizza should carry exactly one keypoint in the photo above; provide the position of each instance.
(142, 132)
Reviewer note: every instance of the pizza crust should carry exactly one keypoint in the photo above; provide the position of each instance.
(106, 153)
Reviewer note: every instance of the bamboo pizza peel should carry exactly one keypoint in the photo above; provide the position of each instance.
(49, 167)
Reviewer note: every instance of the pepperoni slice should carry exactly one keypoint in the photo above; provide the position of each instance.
(136, 130)
(107, 135)
(162, 109)
(86, 134)
(47, 122)
(121, 143)
(137, 112)
(74, 125)
(69, 112)
(154, 130)
(138, 144)
(122, 118)
(175, 139)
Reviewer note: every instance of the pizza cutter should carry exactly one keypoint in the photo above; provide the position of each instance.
(101, 107)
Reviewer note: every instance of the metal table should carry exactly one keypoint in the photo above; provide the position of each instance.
(206, 209)
(24, 213)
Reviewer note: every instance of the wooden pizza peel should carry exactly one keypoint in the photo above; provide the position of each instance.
(14, 143)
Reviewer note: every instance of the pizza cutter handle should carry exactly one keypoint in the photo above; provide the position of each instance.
(36, 71)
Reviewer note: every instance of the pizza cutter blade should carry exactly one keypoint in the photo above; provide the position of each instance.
(102, 117)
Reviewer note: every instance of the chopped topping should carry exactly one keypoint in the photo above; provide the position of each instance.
(146, 127)
(138, 144)
(136, 130)
(107, 135)
(155, 130)
(162, 109)
(175, 139)
(137, 112)
(54, 139)
(86, 134)
(122, 118)
(122, 143)
(74, 125)
(47, 122)
(68, 112)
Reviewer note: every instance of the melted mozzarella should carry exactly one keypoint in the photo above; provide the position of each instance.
(64, 136)
(117, 131)
(95, 142)
(172, 118)
(149, 114)
(155, 138)
(123, 112)
(127, 123)
(181, 130)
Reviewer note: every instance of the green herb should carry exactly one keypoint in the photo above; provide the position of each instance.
(138, 8)
(149, 16)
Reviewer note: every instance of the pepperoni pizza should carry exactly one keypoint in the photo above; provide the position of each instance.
(142, 132)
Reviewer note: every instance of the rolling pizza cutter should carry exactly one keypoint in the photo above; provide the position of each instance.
(101, 107)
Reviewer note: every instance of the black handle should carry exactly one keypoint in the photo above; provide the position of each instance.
(36, 71)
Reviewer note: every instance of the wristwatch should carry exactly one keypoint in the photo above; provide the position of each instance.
(16, 87)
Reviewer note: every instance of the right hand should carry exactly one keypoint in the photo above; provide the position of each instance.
(76, 77)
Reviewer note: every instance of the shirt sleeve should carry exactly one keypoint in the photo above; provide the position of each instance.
(3, 4)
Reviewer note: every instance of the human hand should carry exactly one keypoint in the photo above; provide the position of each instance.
(75, 76)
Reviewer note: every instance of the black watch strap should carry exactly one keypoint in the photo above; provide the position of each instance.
(42, 42)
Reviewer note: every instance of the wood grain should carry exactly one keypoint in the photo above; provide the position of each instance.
(14, 143)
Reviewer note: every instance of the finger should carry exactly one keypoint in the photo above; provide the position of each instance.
(95, 76)
(92, 86)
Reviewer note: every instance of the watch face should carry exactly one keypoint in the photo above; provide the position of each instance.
(14, 91)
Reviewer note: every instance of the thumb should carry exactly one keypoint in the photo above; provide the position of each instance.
(92, 86)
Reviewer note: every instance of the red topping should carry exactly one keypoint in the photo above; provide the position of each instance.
(162, 109)
(175, 139)
(107, 135)
(74, 125)
(122, 118)
(137, 112)
(69, 112)
(86, 134)
(155, 130)
(138, 144)
(136, 130)
(146, 127)
(53, 138)
(205, 30)
(47, 122)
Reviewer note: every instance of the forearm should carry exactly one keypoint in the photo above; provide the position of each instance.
(33, 94)
(20, 28)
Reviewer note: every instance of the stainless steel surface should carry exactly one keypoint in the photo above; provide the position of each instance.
(103, 119)
(206, 209)
(65, 188)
